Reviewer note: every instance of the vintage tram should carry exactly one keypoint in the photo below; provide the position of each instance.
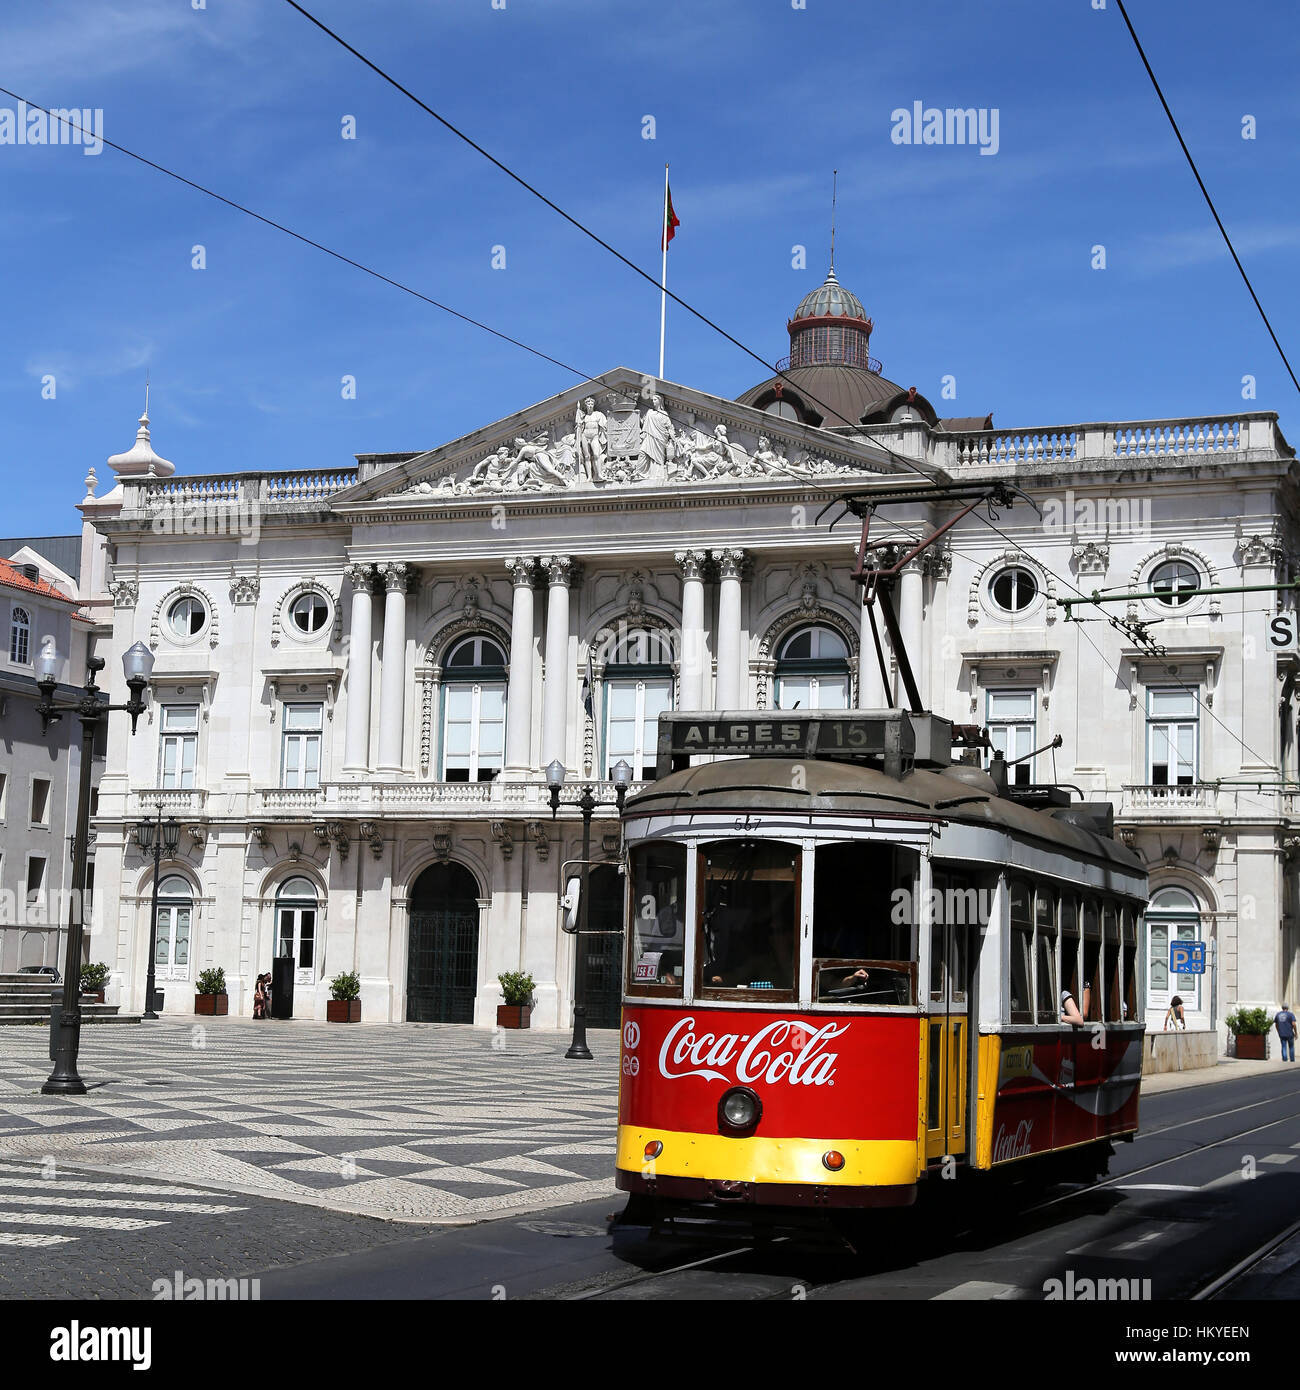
(849, 965)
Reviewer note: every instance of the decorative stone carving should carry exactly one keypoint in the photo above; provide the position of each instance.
(937, 562)
(730, 562)
(126, 592)
(636, 594)
(691, 562)
(535, 830)
(522, 570)
(558, 569)
(591, 439)
(658, 441)
(502, 834)
(244, 588)
(396, 576)
(361, 577)
(1093, 557)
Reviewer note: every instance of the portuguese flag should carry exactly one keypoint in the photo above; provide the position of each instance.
(671, 220)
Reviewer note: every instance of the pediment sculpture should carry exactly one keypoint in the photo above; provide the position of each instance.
(620, 440)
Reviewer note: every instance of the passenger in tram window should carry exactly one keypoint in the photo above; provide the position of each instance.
(1070, 1012)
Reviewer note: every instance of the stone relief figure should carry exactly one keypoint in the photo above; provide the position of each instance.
(658, 442)
(696, 457)
(769, 460)
(534, 465)
(591, 440)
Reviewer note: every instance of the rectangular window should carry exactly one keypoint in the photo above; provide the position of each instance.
(657, 942)
(1049, 1003)
(632, 710)
(300, 758)
(179, 745)
(474, 732)
(40, 801)
(1171, 737)
(1129, 926)
(1110, 966)
(1011, 724)
(1022, 953)
(35, 876)
(1070, 953)
(1090, 1005)
(861, 924)
(749, 930)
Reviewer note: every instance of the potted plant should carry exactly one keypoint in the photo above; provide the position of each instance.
(1250, 1028)
(210, 995)
(518, 1008)
(344, 1005)
(93, 980)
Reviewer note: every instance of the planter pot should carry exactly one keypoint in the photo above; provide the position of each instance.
(92, 996)
(343, 1011)
(1252, 1047)
(513, 1015)
(217, 1004)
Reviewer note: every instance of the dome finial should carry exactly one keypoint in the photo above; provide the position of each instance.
(835, 179)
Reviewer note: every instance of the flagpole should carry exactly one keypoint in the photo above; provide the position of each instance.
(663, 278)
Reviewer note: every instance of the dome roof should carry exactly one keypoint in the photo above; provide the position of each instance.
(830, 298)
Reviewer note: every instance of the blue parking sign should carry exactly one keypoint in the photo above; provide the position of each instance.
(1187, 957)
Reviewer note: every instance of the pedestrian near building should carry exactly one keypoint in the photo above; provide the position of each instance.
(1284, 1022)
(1174, 1014)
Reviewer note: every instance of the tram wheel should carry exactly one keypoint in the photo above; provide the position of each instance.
(640, 1211)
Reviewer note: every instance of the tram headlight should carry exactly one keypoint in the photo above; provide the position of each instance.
(739, 1110)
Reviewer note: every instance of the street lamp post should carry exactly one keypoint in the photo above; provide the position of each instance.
(155, 837)
(91, 709)
(587, 804)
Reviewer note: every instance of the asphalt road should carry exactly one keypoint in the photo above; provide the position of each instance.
(1214, 1175)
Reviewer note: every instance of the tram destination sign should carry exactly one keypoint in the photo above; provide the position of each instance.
(868, 736)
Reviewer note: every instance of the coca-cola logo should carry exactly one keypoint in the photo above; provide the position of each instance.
(1014, 1144)
(787, 1049)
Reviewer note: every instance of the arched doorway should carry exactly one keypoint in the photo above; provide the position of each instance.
(442, 968)
(605, 953)
(1173, 915)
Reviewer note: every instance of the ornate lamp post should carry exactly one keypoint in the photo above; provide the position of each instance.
(587, 804)
(91, 709)
(155, 837)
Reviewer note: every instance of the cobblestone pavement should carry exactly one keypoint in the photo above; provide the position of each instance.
(411, 1122)
(66, 1233)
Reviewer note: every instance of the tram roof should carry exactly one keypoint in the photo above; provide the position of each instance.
(807, 787)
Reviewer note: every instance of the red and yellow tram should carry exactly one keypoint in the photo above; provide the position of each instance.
(848, 964)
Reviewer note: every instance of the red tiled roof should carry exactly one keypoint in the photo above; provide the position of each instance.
(13, 578)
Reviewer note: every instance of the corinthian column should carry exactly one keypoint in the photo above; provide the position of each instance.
(731, 684)
(519, 702)
(692, 654)
(555, 684)
(356, 744)
(872, 691)
(392, 673)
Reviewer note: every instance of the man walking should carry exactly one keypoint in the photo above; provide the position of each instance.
(1284, 1020)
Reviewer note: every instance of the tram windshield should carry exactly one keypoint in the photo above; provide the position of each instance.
(749, 916)
(863, 940)
(658, 947)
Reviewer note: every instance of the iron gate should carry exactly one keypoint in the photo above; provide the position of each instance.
(442, 977)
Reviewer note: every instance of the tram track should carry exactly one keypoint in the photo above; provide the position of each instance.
(679, 1279)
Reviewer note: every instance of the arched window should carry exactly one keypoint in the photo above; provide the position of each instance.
(295, 926)
(175, 921)
(638, 689)
(1173, 916)
(474, 711)
(20, 637)
(812, 670)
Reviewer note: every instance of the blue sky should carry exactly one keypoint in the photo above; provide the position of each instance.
(971, 265)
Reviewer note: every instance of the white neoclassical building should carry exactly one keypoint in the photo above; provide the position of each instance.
(362, 672)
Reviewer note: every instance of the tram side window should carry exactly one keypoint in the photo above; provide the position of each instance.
(1110, 960)
(749, 927)
(1022, 952)
(1129, 926)
(657, 940)
(1091, 1005)
(1045, 955)
(1070, 953)
(956, 906)
(863, 951)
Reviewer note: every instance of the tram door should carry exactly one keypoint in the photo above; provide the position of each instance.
(954, 913)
